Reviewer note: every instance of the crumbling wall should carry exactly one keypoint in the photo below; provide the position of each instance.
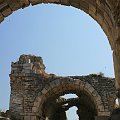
(29, 80)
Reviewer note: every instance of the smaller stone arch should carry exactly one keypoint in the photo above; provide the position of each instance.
(63, 85)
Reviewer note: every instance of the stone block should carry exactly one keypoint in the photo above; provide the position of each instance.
(104, 113)
(75, 3)
(34, 109)
(82, 85)
(27, 64)
(3, 5)
(14, 4)
(77, 82)
(65, 2)
(52, 84)
(24, 3)
(36, 104)
(92, 11)
(6, 12)
(28, 68)
(100, 16)
(91, 89)
(101, 118)
(101, 108)
(98, 2)
(55, 90)
(26, 71)
(94, 93)
(87, 86)
(51, 1)
(14, 68)
(34, 2)
(27, 118)
(1, 18)
(33, 118)
(84, 6)
(44, 91)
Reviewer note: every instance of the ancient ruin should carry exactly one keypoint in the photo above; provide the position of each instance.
(105, 12)
(37, 95)
(32, 88)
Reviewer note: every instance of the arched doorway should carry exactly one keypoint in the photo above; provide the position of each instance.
(89, 103)
(55, 108)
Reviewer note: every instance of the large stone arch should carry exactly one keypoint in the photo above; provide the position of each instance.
(105, 12)
(100, 10)
(60, 86)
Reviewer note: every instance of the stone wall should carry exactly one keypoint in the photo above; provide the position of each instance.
(32, 88)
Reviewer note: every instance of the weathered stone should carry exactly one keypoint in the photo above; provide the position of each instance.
(32, 91)
(3, 5)
(65, 2)
(34, 2)
(14, 4)
(84, 6)
(101, 118)
(1, 18)
(7, 12)
(105, 12)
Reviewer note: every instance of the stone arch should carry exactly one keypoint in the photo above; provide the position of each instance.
(100, 10)
(105, 12)
(60, 85)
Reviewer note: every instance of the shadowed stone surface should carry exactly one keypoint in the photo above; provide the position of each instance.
(115, 115)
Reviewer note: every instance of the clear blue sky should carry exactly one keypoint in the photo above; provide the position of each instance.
(69, 40)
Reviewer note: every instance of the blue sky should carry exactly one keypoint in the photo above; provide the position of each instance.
(69, 40)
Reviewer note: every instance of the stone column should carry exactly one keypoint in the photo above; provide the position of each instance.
(116, 49)
(116, 59)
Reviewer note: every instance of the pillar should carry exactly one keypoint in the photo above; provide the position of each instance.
(116, 59)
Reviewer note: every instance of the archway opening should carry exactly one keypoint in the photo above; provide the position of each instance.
(66, 96)
(58, 107)
(72, 113)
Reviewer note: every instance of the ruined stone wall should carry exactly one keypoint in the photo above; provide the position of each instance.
(29, 82)
(25, 83)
